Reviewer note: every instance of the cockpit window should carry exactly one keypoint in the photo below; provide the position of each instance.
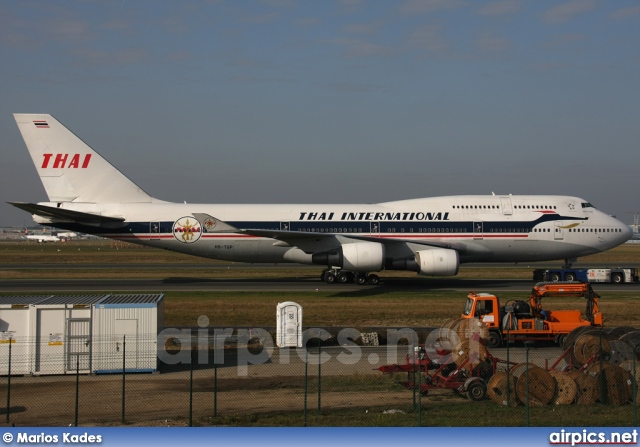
(587, 205)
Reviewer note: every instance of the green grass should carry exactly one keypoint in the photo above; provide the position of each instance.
(467, 414)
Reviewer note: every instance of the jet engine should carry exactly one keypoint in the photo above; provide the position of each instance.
(356, 257)
(438, 262)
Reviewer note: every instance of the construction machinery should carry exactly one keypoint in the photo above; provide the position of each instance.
(520, 320)
(455, 359)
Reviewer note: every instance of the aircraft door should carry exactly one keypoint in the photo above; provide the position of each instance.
(558, 231)
(154, 230)
(375, 228)
(507, 207)
(478, 230)
(285, 226)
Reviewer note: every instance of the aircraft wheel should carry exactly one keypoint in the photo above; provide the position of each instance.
(343, 277)
(329, 278)
(373, 279)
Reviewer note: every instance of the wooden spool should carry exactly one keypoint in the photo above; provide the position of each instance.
(617, 332)
(468, 353)
(472, 329)
(588, 345)
(633, 338)
(498, 392)
(628, 366)
(519, 369)
(572, 336)
(621, 351)
(613, 384)
(586, 388)
(566, 388)
(447, 333)
(542, 387)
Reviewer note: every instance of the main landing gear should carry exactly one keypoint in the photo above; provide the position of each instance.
(333, 276)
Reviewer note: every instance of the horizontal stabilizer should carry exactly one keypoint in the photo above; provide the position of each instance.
(60, 213)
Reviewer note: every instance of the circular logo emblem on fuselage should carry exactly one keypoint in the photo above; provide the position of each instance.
(209, 224)
(187, 230)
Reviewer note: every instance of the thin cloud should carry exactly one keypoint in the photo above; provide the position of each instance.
(567, 11)
(429, 6)
(263, 18)
(354, 48)
(626, 13)
(501, 8)
(363, 28)
(127, 56)
(352, 87)
(487, 42)
(429, 38)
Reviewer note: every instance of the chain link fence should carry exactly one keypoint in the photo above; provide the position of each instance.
(404, 380)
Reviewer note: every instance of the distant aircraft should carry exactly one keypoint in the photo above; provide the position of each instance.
(430, 236)
(41, 238)
(66, 235)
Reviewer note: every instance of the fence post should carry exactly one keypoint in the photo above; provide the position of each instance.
(603, 399)
(416, 355)
(9, 381)
(635, 389)
(413, 376)
(306, 382)
(215, 389)
(77, 387)
(319, 374)
(527, 344)
(124, 369)
(508, 369)
(191, 389)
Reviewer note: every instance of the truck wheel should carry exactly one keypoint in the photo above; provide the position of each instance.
(570, 277)
(495, 339)
(616, 278)
(554, 277)
(477, 390)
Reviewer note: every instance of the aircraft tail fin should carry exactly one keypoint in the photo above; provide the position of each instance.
(69, 169)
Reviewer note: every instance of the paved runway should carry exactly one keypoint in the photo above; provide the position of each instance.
(418, 284)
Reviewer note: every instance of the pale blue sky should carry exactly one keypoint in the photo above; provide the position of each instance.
(282, 101)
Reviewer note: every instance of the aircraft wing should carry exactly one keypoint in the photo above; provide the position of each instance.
(295, 236)
(60, 213)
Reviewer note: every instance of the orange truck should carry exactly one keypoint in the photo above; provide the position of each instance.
(520, 320)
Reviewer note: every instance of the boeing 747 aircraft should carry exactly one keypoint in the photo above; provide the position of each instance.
(430, 236)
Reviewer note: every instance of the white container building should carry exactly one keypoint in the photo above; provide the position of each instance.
(61, 334)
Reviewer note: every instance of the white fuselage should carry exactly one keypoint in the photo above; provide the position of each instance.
(480, 228)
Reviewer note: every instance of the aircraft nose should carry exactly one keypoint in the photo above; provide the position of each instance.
(627, 233)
